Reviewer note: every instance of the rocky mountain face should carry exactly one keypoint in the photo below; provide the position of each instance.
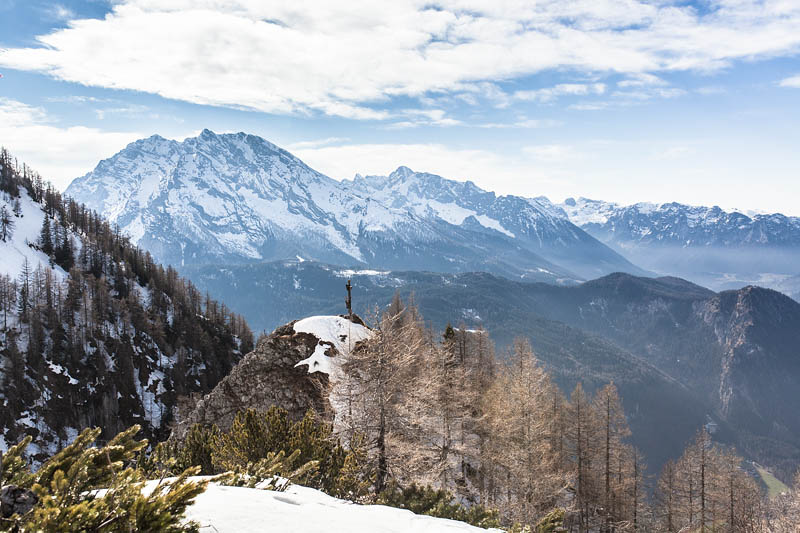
(288, 369)
(92, 332)
(731, 356)
(532, 222)
(238, 198)
(713, 247)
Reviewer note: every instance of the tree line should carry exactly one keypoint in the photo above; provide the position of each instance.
(445, 412)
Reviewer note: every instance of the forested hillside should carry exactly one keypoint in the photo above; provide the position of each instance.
(92, 331)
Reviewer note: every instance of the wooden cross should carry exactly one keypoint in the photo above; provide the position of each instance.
(349, 300)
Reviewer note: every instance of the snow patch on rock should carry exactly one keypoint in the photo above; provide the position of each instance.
(331, 330)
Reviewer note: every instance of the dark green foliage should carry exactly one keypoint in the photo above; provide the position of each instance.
(276, 471)
(252, 435)
(197, 448)
(438, 503)
(552, 522)
(255, 434)
(353, 482)
(85, 487)
(263, 444)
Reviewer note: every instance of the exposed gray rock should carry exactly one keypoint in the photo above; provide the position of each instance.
(16, 500)
(266, 377)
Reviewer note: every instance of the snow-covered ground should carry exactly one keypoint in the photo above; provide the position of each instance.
(15, 250)
(222, 509)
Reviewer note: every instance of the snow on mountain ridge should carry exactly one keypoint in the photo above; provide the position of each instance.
(232, 197)
(681, 224)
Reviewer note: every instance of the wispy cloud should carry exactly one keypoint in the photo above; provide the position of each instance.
(551, 152)
(523, 124)
(641, 79)
(649, 93)
(675, 152)
(488, 169)
(635, 95)
(60, 153)
(548, 94)
(59, 12)
(317, 143)
(793, 82)
(423, 117)
(354, 60)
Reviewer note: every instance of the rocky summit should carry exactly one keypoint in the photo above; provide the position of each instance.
(288, 368)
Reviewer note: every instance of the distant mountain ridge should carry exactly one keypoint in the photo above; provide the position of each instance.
(718, 248)
(238, 198)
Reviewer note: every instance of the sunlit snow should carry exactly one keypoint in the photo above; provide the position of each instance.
(222, 509)
(331, 330)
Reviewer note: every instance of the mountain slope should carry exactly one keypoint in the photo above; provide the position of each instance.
(92, 332)
(238, 198)
(531, 222)
(706, 244)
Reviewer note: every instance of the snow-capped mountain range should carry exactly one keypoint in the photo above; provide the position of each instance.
(235, 198)
(720, 249)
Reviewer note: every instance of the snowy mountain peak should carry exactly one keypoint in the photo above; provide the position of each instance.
(237, 197)
(715, 247)
(402, 172)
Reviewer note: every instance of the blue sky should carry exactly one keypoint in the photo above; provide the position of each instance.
(621, 100)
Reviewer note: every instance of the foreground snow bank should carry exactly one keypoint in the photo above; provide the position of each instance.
(299, 509)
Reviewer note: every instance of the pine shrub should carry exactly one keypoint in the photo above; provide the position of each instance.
(438, 503)
(85, 487)
(254, 435)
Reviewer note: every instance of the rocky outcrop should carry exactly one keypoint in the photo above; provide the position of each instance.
(16, 500)
(268, 376)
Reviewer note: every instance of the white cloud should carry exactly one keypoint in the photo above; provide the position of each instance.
(675, 152)
(424, 117)
(303, 145)
(349, 59)
(551, 152)
(647, 93)
(793, 82)
(59, 154)
(509, 175)
(59, 12)
(590, 106)
(549, 94)
(634, 96)
(523, 124)
(641, 79)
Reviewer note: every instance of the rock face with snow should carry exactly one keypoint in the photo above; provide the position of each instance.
(238, 198)
(708, 245)
(533, 223)
(288, 369)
